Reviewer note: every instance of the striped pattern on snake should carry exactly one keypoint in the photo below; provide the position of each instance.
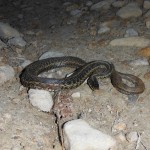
(91, 71)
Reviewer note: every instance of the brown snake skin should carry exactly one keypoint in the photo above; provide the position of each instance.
(91, 71)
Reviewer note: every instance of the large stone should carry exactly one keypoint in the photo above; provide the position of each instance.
(79, 135)
(131, 41)
(130, 10)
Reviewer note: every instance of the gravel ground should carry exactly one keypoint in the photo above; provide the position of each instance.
(46, 26)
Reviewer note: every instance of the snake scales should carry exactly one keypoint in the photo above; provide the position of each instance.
(91, 71)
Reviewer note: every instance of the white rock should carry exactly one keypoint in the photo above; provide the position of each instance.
(103, 5)
(132, 136)
(131, 32)
(6, 31)
(103, 29)
(139, 62)
(131, 41)
(146, 4)
(79, 135)
(76, 95)
(51, 54)
(6, 73)
(41, 99)
(17, 41)
(130, 10)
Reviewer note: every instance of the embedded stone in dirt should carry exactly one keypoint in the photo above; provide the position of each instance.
(79, 135)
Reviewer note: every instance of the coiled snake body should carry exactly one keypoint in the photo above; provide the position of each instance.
(91, 71)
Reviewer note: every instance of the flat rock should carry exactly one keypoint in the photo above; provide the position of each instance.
(41, 99)
(17, 41)
(6, 31)
(103, 5)
(6, 73)
(79, 135)
(50, 54)
(130, 10)
(131, 41)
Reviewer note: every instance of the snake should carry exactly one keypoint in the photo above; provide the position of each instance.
(89, 71)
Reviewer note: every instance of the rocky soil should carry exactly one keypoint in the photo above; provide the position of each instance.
(115, 31)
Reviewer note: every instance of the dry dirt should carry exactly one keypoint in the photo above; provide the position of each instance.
(23, 127)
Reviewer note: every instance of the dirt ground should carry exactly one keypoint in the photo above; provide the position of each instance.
(45, 28)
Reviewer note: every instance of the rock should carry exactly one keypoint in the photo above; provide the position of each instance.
(131, 32)
(145, 52)
(147, 14)
(89, 3)
(51, 54)
(76, 13)
(147, 75)
(147, 22)
(102, 5)
(132, 136)
(79, 135)
(41, 99)
(25, 63)
(6, 31)
(76, 95)
(146, 4)
(6, 73)
(118, 4)
(119, 126)
(2, 45)
(103, 30)
(130, 10)
(131, 41)
(139, 62)
(17, 41)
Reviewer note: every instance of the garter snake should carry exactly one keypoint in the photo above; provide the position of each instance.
(91, 70)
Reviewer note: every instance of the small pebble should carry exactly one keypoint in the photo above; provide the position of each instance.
(131, 32)
(76, 95)
(103, 30)
(120, 126)
(145, 52)
(132, 136)
(102, 5)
